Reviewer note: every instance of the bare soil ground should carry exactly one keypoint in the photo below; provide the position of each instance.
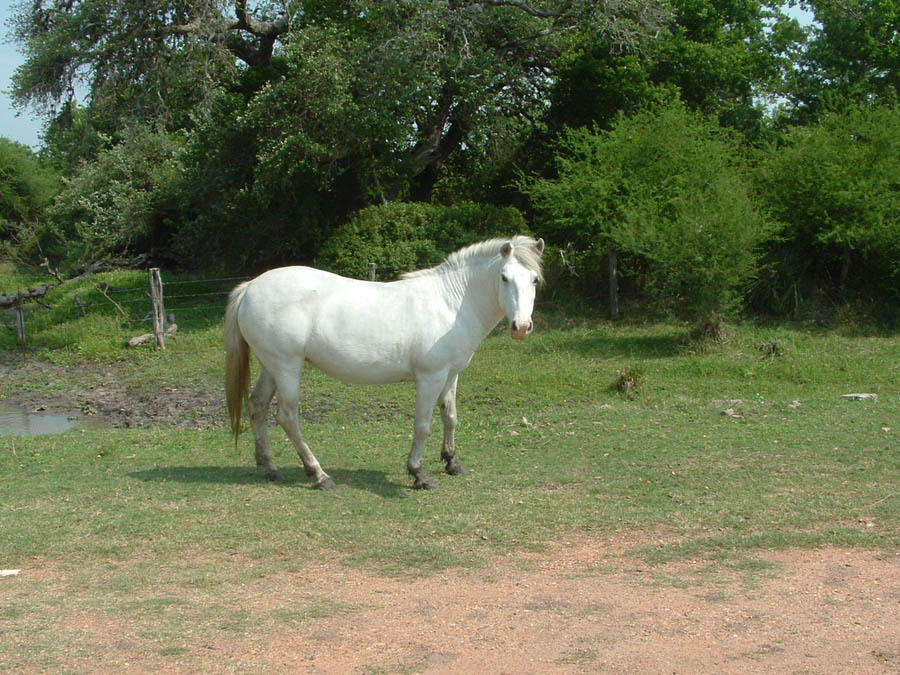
(101, 394)
(581, 606)
(576, 609)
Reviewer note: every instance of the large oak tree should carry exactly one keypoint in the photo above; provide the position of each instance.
(402, 83)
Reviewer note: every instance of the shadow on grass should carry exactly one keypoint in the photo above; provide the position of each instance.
(643, 347)
(361, 479)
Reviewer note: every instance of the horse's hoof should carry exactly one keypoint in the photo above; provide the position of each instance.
(425, 484)
(274, 476)
(326, 484)
(454, 468)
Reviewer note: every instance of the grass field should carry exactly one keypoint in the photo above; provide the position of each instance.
(553, 444)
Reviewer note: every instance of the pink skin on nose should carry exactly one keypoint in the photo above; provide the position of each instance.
(520, 332)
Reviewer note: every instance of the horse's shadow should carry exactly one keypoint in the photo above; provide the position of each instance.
(362, 479)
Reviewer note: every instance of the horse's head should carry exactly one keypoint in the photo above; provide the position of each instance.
(519, 277)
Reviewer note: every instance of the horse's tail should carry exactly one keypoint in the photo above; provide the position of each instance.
(237, 361)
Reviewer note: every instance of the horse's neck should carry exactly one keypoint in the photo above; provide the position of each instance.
(472, 295)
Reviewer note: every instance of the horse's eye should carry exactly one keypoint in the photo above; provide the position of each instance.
(504, 278)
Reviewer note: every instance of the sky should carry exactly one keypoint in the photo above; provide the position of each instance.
(22, 126)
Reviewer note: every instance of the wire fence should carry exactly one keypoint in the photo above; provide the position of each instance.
(192, 304)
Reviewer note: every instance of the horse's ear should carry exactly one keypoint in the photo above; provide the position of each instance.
(506, 249)
(539, 246)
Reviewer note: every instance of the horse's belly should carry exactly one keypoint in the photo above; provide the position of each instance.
(360, 364)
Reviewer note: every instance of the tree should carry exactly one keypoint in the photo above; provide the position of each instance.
(26, 189)
(402, 237)
(117, 205)
(133, 60)
(853, 58)
(665, 186)
(721, 57)
(418, 80)
(835, 186)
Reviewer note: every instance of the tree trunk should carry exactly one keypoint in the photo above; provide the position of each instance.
(423, 185)
(431, 153)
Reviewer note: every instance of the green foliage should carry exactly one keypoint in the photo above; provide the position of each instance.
(117, 205)
(835, 186)
(595, 88)
(360, 103)
(852, 58)
(666, 186)
(719, 57)
(138, 61)
(240, 204)
(274, 124)
(26, 189)
(402, 237)
(72, 137)
(307, 120)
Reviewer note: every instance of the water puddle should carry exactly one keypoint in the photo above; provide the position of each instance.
(15, 421)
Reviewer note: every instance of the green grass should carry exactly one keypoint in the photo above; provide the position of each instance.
(554, 447)
(115, 306)
(552, 444)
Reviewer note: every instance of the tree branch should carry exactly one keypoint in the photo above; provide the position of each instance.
(529, 9)
(265, 32)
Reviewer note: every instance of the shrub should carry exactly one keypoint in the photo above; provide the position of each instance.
(26, 189)
(835, 186)
(664, 186)
(119, 204)
(401, 237)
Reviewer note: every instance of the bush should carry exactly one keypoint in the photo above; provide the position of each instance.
(835, 186)
(401, 237)
(26, 190)
(663, 186)
(120, 204)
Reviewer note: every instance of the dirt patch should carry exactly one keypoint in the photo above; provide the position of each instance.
(582, 606)
(577, 609)
(101, 394)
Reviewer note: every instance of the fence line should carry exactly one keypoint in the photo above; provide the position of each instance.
(138, 302)
(206, 281)
(175, 305)
(198, 295)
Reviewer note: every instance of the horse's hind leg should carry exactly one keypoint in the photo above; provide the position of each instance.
(258, 407)
(288, 385)
(448, 416)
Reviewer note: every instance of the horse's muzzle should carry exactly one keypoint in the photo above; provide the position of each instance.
(520, 331)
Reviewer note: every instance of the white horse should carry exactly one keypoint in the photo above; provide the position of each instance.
(424, 327)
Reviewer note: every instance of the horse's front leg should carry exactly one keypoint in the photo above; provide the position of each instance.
(428, 388)
(448, 415)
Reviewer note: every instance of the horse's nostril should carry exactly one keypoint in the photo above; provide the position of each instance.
(521, 328)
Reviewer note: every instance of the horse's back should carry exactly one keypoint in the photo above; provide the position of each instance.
(280, 307)
(356, 331)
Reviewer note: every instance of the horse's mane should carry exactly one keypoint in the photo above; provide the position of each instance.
(524, 249)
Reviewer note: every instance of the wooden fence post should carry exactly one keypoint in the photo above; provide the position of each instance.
(159, 312)
(20, 325)
(613, 283)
